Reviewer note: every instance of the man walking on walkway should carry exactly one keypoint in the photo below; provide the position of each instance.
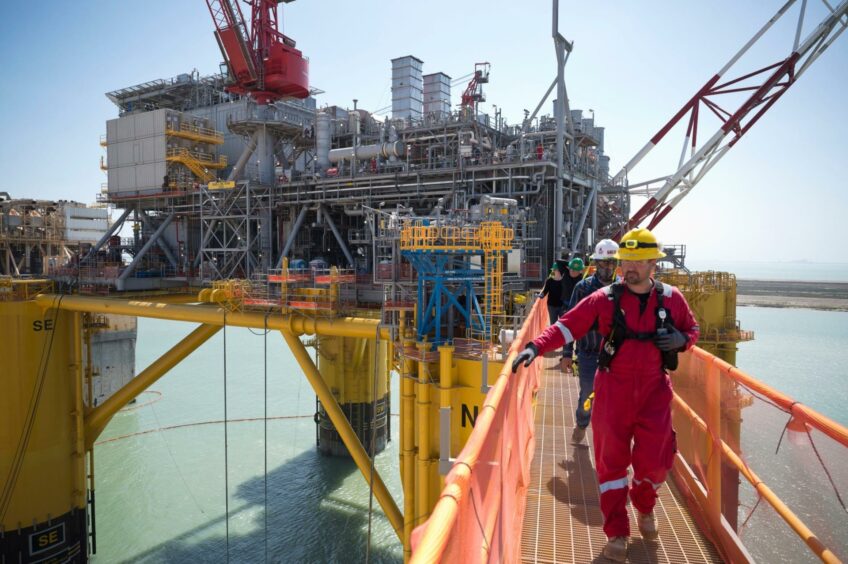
(553, 289)
(589, 345)
(645, 324)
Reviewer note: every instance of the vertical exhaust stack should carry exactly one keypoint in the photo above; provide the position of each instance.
(407, 88)
(322, 140)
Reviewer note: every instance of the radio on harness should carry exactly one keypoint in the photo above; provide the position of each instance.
(620, 331)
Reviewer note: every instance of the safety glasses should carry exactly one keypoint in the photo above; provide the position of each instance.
(634, 244)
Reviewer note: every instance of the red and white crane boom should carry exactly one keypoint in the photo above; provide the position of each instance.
(756, 91)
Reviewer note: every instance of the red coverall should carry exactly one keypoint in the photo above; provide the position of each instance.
(632, 399)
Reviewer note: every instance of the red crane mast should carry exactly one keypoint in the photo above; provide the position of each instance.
(262, 61)
(474, 91)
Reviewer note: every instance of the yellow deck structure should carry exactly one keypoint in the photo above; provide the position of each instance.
(451, 397)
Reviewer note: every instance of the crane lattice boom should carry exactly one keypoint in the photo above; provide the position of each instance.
(758, 90)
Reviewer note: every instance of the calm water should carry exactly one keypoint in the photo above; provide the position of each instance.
(161, 494)
(801, 353)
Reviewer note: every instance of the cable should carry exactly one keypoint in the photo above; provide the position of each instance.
(173, 459)
(226, 447)
(372, 431)
(265, 424)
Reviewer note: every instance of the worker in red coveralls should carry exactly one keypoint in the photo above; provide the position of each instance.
(645, 324)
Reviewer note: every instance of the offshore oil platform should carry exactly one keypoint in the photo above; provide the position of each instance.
(398, 246)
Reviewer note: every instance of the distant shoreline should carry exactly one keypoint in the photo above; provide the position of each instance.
(829, 296)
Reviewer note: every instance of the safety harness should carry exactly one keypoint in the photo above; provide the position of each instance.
(620, 331)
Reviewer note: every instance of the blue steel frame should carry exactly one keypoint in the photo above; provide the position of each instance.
(449, 275)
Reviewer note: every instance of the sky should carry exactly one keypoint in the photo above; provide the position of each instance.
(780, 194)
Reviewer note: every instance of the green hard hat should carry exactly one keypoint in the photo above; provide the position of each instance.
(576, 264)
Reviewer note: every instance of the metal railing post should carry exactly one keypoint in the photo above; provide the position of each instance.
(713, 438)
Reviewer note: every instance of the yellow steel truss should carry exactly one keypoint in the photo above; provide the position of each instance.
(491, 237)
(195, 133)
(198, 163)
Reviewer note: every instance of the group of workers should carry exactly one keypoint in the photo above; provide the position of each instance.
(627, 332)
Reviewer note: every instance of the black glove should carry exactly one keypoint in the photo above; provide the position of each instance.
(673, 340)
(526, 356)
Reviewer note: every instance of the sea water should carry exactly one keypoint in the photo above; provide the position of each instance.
(166, 493)
(799, 270)
(801, 353)
(167, 490)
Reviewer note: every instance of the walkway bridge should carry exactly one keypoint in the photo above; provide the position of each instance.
(519, 491)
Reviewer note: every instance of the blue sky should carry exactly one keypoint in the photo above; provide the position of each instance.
(780, 194)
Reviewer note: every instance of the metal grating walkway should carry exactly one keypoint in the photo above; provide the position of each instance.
(562, 522)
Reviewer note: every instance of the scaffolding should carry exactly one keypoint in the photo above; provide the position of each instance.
(452, 259)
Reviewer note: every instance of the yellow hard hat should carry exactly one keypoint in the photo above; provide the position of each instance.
(639, 244)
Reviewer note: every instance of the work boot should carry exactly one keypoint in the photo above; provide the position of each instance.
(647, 525)
(577, 435)
(616, 549)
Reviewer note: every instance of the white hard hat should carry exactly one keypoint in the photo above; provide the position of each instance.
(606, 249)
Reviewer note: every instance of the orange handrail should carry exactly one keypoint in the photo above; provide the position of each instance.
(710, 506)
(826, 425)
(449, 528)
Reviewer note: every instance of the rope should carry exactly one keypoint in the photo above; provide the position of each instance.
(265, 429)
(173, 459)
(816, 450)
(226, 447)
(826, 471)
(372, 441)
(782, 433)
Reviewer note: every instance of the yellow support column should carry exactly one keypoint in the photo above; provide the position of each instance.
(407, 447)
(77, 413)
(713, 438)
(445, 392)
(422, 387)
(351, 441)
(356, 371)
(42, 472)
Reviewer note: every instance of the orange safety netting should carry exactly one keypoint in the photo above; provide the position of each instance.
(778, 470)
(479, 514)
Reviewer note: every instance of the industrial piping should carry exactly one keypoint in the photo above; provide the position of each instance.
(365, 152)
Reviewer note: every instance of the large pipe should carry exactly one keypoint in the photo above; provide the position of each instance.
(495, 201)
(589, 204)
(338, 236)
(245, 156)
(422, 395)
(109, 232)
(160, 242)
(212, 315)
(322, 140)
(407, 444)
(297, 223)
(365, 152)
(152, 241)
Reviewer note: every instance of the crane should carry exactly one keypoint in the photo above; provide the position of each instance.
(754, 91)
(262, 62)
(474, 91)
